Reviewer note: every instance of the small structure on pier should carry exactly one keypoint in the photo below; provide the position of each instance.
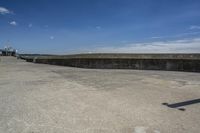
(8, 51)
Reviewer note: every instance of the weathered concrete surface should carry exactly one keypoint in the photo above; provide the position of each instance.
(192, 56)
(170, 62)
(39, 98)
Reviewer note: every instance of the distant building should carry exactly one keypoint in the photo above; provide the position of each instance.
(8, 51)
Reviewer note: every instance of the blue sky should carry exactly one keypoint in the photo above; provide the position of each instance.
(74, 26)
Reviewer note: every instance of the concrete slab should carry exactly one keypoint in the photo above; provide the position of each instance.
(39, 98)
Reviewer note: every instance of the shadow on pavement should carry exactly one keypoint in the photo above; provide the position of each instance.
(181, 104)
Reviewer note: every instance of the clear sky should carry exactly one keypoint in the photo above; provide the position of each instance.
(73, 26)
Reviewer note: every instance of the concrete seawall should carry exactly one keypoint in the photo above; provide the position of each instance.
(170, 62)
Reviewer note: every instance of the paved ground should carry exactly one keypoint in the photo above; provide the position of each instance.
(38, 98)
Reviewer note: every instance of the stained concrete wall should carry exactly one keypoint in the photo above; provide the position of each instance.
(171, 62)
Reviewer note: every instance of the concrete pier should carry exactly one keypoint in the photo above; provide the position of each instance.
(42, 98)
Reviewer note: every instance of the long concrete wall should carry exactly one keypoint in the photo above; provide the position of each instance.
(171, 62)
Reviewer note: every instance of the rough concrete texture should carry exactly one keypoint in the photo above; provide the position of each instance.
(137, 64)
(169, 62)
(192, 56)
(40, 98)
